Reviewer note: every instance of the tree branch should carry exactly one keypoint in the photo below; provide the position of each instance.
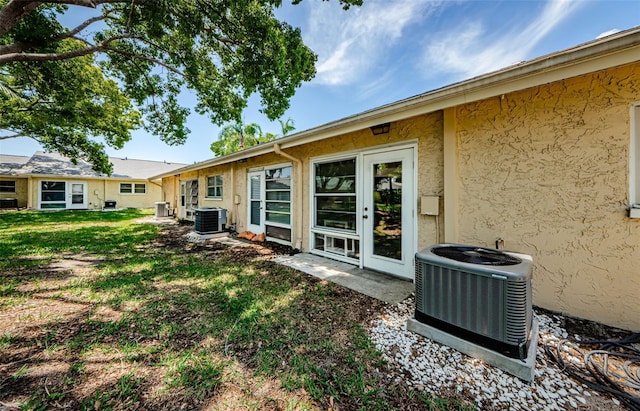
(13, 136)
(79, 28)
(85, 3)
(144, 58)
(15, 11)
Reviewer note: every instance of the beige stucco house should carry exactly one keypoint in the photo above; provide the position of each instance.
(50, 181)
(541, 158)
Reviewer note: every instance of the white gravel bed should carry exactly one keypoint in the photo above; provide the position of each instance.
(432, 367)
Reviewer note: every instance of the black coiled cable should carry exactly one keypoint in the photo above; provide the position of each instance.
(613, 367)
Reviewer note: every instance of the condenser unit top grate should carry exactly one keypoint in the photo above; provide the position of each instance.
(476, 255)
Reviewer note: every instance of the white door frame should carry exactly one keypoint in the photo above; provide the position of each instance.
(182, 213)
(404, 266)
(256, 198)
(72, 197)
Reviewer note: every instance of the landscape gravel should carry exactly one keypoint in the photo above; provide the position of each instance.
(434, 368)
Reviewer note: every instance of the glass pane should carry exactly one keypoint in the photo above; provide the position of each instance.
(281, 207)
(284, 172)
(279, 195)
(342, 184)
(318, 243)
(7, 186)
(140, 189)
(125, 188)
(278, 218)
(255, 212)
(336, 177)
(255, 187)
(77, 199)
(76, 188)
(280, 184)
(336, 203)
(53, 185)
(336, 212)
(387, 199)
(52, 196)
(59, 205)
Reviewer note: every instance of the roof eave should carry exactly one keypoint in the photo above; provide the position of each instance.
(618, 49)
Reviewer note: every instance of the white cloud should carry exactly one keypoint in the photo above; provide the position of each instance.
(608, 33)
(471, 50)
(349, 42)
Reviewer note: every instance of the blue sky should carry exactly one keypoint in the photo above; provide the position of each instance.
(388, 50)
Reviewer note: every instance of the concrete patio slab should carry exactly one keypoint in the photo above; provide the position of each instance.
(377, 285)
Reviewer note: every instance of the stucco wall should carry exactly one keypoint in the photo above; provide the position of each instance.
(100, 190)
(21, 190)
(171, 191)
(426, 130)
(546, 169)
(153, 194)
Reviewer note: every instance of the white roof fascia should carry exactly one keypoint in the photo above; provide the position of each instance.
(615, 50)
(80, 177)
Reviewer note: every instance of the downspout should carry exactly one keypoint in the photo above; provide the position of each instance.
(298, 193)
(232, 177)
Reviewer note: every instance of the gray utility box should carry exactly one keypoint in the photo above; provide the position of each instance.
(162, 209)
(478, 294)
(210, 220)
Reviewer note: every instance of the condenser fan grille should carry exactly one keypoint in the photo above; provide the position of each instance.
(476, 255)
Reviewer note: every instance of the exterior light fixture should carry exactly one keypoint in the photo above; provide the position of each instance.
(380, 129)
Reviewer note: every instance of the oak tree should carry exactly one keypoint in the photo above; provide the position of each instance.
(124, 63)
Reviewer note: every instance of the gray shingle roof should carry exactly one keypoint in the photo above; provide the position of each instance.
(42, 163)
(10, 165)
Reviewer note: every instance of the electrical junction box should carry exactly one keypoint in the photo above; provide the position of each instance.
(430, 205)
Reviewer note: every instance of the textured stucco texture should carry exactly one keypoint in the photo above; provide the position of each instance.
(547, 170)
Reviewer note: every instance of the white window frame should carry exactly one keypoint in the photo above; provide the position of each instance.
(42, 204)
(221, 186)
(272, 223)
(634, 161)
(133, 188)
(3, 182)
(329, 234)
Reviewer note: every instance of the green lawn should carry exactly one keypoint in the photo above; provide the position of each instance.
(101, 311)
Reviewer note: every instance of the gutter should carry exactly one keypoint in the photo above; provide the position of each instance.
(298, 193)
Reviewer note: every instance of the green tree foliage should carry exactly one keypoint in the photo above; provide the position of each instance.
(237, 136)
(124, 66)
(286, 126)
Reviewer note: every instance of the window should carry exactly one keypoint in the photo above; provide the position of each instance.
(214, 187)
(133, 188)
(278, 196)
(7, 186)
(335, 194)
(52, 194)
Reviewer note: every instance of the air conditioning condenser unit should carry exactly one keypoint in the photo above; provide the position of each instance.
(478, 294)
(210, 220)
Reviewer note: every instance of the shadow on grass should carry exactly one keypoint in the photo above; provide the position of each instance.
(30, 218)
(161, 329)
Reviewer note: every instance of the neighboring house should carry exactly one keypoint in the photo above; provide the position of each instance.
(51, 181)
(542, 157)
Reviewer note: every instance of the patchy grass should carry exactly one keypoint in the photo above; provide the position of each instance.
(103, 312)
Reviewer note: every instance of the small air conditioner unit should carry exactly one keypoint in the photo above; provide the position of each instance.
(210, 220)
(478, 294)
